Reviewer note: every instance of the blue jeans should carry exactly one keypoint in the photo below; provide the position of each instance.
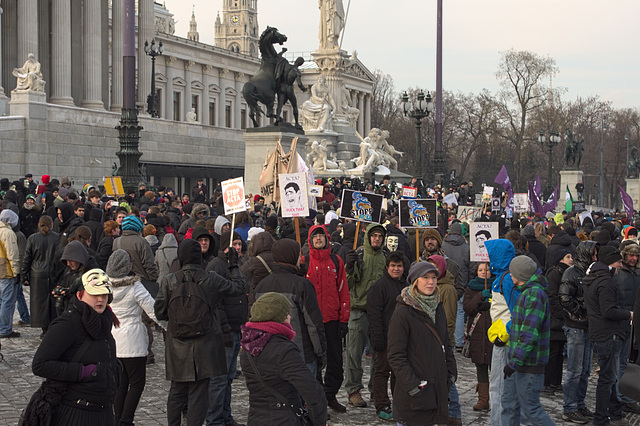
(458, 334)
(576, 378)
(454, 403)
(624, 358)
(23, 310)
(496, 383)
(607, 402)
(521, 400)
(219, 412)
(8, 293)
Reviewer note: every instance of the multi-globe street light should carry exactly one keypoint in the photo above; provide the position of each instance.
(418, 111)
(153, 50)
(552, 142)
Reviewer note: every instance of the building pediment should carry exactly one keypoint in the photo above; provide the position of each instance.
(161, 78)
(197, 85)
(214, 88)
(356, 68)
(230, 92)
(177, 81)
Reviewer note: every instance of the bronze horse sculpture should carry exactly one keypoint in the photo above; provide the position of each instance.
(262, 87)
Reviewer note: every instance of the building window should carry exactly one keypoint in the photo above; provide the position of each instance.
(212, 113)
(194, 105)
(227, 115)
(176, 106)
(243, 118)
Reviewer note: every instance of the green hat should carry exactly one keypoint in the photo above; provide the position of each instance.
(271, 307)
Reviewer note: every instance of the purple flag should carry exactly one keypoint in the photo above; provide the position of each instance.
(537, 187)
(552, 202)
(627, 201)
(503, 179)
(534, 200)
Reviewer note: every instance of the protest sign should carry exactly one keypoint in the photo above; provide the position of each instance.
(113, 186)
(487, 193)
(479, 232)
(233, 195)
(578, 206)
(293, 195)
(468, 213)
(495, 204)
(409, 192)
(521, 202)
(363, 206)
(315, 190)
(421, 213)
(450, 199)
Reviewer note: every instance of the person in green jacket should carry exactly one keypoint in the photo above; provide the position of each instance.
(364, 267)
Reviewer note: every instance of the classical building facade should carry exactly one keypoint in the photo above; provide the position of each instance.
(71, 132)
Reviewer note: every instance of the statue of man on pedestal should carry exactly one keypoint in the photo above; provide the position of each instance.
(331, 23)
(317, 111)
(29, 76)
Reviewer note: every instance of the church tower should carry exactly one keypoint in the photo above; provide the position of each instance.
(238, 30)
(193, 28)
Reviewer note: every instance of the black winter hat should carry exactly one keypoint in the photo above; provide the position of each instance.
(189, 253)
(609, 255)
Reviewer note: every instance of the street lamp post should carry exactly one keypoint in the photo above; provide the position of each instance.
(626, 138)
(153, 50)
(602, 162)
(418, 111)
(552, 142)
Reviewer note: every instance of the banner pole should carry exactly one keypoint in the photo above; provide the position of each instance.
(355, 241)
(417, 244)
(233, 225)
(297, 225)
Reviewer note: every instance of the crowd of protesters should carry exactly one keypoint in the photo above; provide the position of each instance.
(556, 287)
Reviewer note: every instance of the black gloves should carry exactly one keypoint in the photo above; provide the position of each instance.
(508, 371)
(499, 342)
(344, 329)
(483, 306)
(228, 340)
(232, 258)
(352, 256)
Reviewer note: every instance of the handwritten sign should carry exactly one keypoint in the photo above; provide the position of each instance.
(233, 195)
(315, 190)
(479, 232)
(421, 213)
(468, 213)
(293, 194)
(409, 192)
(521, 202)
(359, 205)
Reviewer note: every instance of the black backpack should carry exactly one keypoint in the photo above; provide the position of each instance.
(189, 312)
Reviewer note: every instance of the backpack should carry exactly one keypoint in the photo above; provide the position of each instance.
(189, 312)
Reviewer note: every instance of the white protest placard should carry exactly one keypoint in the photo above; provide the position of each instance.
(315, 190)
(293, 194)
(409, 192)
(495, 204)
(233, 195)
(450, 199)
(479, 232)
(468, 213)
(487, 193)
(521, 202)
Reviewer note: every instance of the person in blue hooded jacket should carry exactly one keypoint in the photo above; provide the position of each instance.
(503, 300)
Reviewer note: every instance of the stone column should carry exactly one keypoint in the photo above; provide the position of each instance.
(3, 97)
(367, 114)
(361, 118)
(168, 61)
(238, 101)
(27, 29)
(188, 65)
(116, 55)
(222, 104)
(61, 53)
(204, 119)
(145, 33)
(92, 55)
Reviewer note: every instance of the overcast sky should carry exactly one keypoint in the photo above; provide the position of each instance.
(594, 43)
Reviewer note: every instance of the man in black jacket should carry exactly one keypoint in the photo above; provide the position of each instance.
(381, 302)
(579, 349)
(607, 330)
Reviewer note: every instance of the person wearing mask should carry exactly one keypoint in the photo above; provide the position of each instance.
(82, 332)
(271, 361)
(419, 352)
(381, 302)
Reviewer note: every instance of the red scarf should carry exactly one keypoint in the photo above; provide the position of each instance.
(273, 327)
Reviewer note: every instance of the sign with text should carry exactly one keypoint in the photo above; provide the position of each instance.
(487, 193)
(421, 213)
(495, 204)
(293, 194)
(233, 195)
(521, 202)
(578, 206)
(113, 186)
(359, 205)
(315, 190)
(479, 232)
(450, 199)
(409, 192)
(468, 213)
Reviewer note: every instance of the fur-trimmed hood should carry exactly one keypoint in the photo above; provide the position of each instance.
(123, 282)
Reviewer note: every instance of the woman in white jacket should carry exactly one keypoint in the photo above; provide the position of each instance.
(130, 298)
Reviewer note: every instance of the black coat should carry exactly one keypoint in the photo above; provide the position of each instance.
(29, 220)
(60, 344)
(560, 241)
(556, 319)
(37, 269)
(537, 249)
(233, 309)
(281, 366)
(306, 318)
(105, 248)
(481, 348)
(415, 354)
(571, 291)
(381, 302)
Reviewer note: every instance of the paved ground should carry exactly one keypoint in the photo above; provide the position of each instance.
(17, 384)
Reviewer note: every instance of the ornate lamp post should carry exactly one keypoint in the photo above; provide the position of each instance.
(626, 138)
(604, 126)
(418, 111)
(554, 140)
(153, 50)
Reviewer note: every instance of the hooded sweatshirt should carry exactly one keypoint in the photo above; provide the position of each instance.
(503, 297)
(367, 269)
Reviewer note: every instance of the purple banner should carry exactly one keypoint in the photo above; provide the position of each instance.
(503, 179)
(627, 201)
(534, 200)
(552, 202)
(537, 187)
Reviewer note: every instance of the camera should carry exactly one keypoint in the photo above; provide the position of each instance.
(60, 293)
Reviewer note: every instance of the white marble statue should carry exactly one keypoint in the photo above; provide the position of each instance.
(191, 116)
(331, 23)
(29, 76)
(318, 110)
(376, 151)
(369, 158)
(317, 157)
(350, 112)
(386, 150)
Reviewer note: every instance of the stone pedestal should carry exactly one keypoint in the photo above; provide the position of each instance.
(568, 178)
(257, 142)
(633, 189)
(29, 104)
(4, 103)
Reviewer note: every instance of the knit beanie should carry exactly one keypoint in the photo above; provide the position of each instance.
(608, 255)
(522, 268)
(119, 264)
(286, 251)
(420, 269)
(46, 179)
(603, 238)
(132, 223)
(455, 228)
(432, 233)
(528, 231)
(270, 306)
(560, 254)
(224, 239)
